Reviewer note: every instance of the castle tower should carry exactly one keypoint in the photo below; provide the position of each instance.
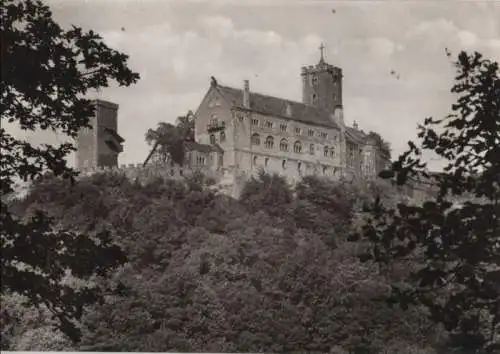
(100, 146)
(322, 85)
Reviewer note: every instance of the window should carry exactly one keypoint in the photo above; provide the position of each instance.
(323, 135)
(311, 149)
(283, 164)
(298, 131)
(314, 79)
(212, 139)
(255, 122)
(326, 151)
(222, 137)
(297, 147)
(310, 132)
(268, 124)
(200, 160)
(269, 142)
(255, 160)
(332, 152)
(315, 99)
(266, 161)
(324, 170)
(283, 127)
(299, 166)
(255, 139)
(283, 145)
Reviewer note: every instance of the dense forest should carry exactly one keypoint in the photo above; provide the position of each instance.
(273, 271)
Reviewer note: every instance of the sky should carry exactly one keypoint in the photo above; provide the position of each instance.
(177, 45)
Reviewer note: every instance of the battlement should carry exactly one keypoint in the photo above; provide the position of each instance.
(153, 171)
(310, 69)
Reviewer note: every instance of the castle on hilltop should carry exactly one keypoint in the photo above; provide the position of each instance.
(238, 131)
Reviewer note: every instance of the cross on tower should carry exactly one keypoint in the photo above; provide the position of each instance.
(321, 48)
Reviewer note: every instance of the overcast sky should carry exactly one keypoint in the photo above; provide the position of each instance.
(177, 45)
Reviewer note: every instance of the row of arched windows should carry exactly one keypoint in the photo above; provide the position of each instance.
(297, 146)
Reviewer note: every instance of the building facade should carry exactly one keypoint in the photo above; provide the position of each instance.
(244, 132)
(260, 132)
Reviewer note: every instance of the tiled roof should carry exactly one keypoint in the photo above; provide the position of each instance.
(276, 106)
(356, 134)
(193, 145)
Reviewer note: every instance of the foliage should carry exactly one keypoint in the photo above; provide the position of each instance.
(383, 145)
(169, 139)
(267, 192)
(28, 328)
(457, 244)
(46, 72)
(206, 272)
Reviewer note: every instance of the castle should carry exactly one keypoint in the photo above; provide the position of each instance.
(238, 131)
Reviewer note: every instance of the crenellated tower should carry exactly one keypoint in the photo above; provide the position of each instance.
(100, 145)
(322, 85)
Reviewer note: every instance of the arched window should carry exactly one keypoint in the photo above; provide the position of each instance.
(283, 145)
(213, 119)
(315, 99)
(255, 160)
(212, 139)
(297, 147)
(256, 139)
(283, 164)
(332, 152)
(269, 142)
(222, 136)
(326, 151)
(266, 161)
(299, 166)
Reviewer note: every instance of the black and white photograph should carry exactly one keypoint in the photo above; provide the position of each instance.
(250, 176)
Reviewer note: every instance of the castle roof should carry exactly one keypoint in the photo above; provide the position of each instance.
(356, 134)
(275, 106)
(194, 146)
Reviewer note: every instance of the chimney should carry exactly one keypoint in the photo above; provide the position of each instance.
(288, 109)
(246, 94)
(355, 125)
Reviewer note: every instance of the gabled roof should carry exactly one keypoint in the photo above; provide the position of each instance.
(194, 146)
(276, 106)
(356, 134)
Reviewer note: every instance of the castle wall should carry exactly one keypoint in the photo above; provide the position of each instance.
(214, 108)
(249, 156)
(92, 150)
(86, 144)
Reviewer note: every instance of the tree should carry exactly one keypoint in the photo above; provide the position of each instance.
(168, 139)
(46, 73)
(457, 245)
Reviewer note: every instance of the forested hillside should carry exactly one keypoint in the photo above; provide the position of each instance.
(270, 272)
